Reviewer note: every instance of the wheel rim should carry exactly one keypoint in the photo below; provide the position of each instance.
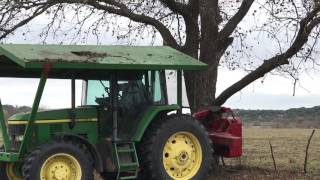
(61, 167)
(182, 156)
(11, 172)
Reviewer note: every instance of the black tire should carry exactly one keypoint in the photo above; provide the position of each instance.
(3, 169)
(8, 171)
(34, 162)
(3, 173)
(155, 139)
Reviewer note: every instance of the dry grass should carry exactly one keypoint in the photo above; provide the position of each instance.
(289, 147)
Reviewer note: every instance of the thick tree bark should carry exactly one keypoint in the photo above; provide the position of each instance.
(201, 86)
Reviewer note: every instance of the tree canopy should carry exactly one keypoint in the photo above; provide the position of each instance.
(211, 30)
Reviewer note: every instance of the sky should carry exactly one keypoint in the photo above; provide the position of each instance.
(274, 92)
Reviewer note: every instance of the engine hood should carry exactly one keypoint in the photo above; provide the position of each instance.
(85, 114)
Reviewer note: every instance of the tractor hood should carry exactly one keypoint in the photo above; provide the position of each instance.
(82, 114)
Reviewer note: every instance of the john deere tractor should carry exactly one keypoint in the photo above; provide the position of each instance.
(125, 127)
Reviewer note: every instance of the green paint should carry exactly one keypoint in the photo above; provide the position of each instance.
(149, 116)
(29, 128)
(12, 57)
(9, 157)
(179, 88)
(81, 113)
(89, 129)
(42, 132)
(4, 130)
(75, 57)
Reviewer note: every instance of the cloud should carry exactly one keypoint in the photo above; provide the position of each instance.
(57, 93)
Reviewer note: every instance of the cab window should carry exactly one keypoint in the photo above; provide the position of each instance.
(97, 91)
(147, 84)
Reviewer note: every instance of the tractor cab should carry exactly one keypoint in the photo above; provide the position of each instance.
(135, 93)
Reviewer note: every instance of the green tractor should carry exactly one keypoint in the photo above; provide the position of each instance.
(124, 129)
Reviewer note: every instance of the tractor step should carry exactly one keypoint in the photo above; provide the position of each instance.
(127, 160)
(126, 150)
(128, 177)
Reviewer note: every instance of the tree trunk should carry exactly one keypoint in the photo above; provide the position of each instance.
(201, 86)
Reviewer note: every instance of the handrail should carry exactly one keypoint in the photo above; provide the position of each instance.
(30, 125)
(4, 129)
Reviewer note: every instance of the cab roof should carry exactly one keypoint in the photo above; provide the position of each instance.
(24, 60)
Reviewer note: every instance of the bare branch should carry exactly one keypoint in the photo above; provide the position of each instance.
(122, 10)
(236, 19)
(306, 26)
(176, 7)
(25, 21)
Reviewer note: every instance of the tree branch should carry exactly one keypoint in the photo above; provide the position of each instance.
(235, 20)
(36, 13)
(176, 7)
(306, 26)
(122, 10)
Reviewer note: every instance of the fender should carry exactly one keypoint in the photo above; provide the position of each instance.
(151, 113)
(98, 164)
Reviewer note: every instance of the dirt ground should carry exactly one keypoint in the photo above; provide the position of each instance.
(250, 173)
(256, 162)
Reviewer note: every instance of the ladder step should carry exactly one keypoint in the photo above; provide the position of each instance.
(128, 177)
(129, 165)
(126, 150)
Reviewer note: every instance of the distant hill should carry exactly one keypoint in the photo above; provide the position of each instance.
(10, 110)
(297, 117)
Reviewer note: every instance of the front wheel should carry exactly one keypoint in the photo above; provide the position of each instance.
(58, 160)
(9, 171)
(176, 147)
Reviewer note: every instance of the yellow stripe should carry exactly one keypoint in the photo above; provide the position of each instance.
(17, 122)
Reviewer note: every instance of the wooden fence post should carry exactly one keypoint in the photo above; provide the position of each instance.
(307, 151)
(272, 155)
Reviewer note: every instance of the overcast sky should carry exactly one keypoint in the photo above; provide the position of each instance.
(274, 93)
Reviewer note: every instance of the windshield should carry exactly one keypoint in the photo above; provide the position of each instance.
(143, 89)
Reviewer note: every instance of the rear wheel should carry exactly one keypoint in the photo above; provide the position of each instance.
(9, 171)
(59, 160)
(176, 147)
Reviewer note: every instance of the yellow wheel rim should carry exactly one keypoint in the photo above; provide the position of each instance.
(182, 156)
(11, 173)
(61, 167)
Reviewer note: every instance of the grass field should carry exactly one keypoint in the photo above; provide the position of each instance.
(289, 149)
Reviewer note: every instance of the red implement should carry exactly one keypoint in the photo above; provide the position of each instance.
(224, 129)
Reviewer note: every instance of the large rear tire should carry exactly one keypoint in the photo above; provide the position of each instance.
(176, 147)
(58, 160)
